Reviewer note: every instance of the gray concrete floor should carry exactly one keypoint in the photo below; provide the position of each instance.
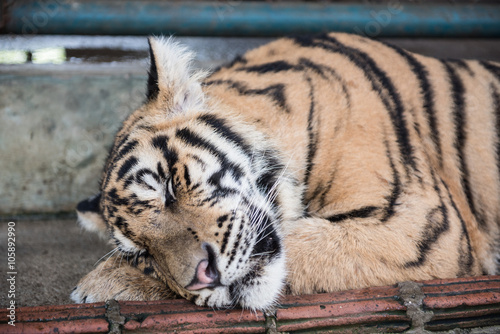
(50, 257)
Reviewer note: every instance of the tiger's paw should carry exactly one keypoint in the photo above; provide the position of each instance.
(123, 282)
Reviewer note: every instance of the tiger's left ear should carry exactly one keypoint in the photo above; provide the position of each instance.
(90, 216)
(172, 80)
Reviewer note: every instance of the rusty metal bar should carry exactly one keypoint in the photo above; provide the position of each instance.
(438, 305)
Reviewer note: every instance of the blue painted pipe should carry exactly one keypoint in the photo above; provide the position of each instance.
(241, 18)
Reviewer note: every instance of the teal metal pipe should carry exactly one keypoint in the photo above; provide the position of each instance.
(242, 18)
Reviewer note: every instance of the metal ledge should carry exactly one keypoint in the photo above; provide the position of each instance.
(433, 306)
(249, 18)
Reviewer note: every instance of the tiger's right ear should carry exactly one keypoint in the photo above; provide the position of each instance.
(172, 79)
(90, 216)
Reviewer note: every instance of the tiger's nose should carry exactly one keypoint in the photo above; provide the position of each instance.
(206, 275)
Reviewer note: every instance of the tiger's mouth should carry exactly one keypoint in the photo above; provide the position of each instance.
(259, 288)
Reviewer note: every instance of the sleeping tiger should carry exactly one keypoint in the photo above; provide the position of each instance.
(310, 164)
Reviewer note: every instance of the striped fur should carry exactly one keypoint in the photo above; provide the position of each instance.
(310, 164)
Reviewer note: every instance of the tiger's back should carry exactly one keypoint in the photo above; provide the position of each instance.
(366, 123)
(375, 166)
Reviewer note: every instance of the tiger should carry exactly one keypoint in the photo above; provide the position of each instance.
(311, 164)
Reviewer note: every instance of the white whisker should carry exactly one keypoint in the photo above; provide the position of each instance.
(108, 255)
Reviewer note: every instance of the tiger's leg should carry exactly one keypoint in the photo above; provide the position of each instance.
(424, 238)
(119, 279)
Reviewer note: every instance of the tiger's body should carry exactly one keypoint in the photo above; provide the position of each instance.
(307, 165)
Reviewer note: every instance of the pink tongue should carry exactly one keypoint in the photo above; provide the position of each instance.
(203, 280)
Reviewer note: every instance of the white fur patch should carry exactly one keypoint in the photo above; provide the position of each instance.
(176, 75)
(271, 285)
(126, 245)
(92, 222)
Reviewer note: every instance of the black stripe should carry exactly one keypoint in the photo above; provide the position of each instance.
(302, 65)
(139, 176)
(121, 140)
(282, 66)
(495, 96)
(428, 94)
(225, 238)
(121, 224)
(267, 180)
(396, 187)
(127, 148)
(437, 224)
(161, 171)
(235, 246)
(326, 190)
(319, 69)
(271, 67)
(90, 204)
(461, 64)
(364, 212)
(380, 82)
(222, 129)
(459, 117)
(153, 89)
(221, 220)
(220, 192)
(126, 167)
(312, 144)
(492, 68)
(275, 92)
(138, 206)
(128, 181)
(237, 60)
(171, 156)
(269, 177)
(187, 177)
(113, 198)
(468, 260)
(194, 140)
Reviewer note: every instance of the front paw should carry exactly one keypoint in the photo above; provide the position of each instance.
(123, 282)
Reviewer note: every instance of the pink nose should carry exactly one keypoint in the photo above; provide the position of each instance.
(206, 276)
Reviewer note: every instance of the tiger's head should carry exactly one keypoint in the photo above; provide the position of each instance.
(198, 190)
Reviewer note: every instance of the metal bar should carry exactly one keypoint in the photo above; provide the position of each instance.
(439, 305)
(241, 18)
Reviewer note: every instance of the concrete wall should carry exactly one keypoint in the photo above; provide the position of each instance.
(58, 121)
(56, 129)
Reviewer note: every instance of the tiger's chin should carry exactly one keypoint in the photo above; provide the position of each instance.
(256, 291)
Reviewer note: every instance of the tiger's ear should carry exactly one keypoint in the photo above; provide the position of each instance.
(90, 216)
(172, 80)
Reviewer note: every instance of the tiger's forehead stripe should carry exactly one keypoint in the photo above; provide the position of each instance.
(126, 167)
(191, 138)
(171, 156)
(220, 127)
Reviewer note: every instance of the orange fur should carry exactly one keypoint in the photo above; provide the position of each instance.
(391, 174)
